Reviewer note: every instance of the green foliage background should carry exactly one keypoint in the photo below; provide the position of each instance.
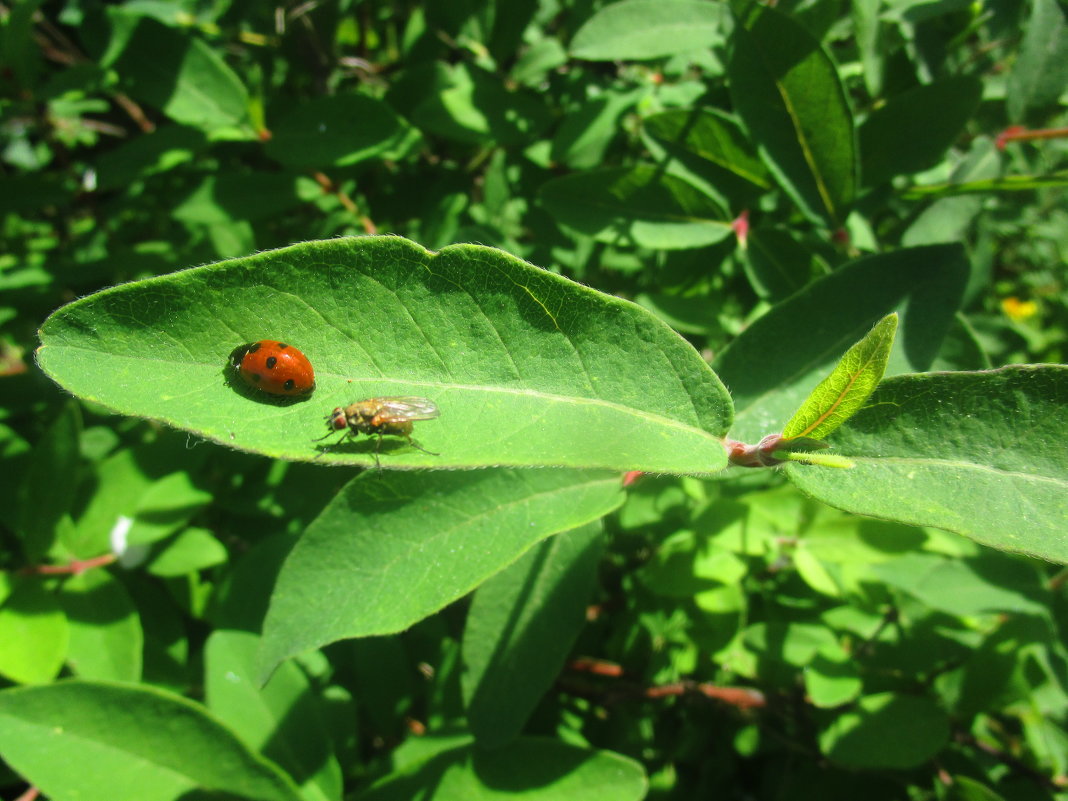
(767, 180)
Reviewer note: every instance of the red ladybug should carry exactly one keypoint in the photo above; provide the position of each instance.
(274, 367)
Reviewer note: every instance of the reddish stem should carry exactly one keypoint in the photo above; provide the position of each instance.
(75, 568)
(1018, 133)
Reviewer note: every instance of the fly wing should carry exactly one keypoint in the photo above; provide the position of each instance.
(408, 408)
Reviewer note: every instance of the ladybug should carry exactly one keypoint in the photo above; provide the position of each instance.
(274, 367)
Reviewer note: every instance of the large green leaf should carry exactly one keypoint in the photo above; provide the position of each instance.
(978, 453)
(641, 29)
(788, 93)
(95, 741)
(770, 371)
(533, 769)
(520, 627)
(641, 205)
(527, 367)
(393, 548)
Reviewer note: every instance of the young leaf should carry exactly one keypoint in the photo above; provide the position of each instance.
(35, 633)
(642, 205)
(641, 29)
(980, 453)
(393, 548)
(849, 385)
(520, 627)
(527, 367)
(789, 95)
(109, 742)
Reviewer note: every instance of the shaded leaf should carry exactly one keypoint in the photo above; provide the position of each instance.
(105, 630)
(788, 93)
(283, 720)
(339, 131)
(642, 205)
(531, 768)
(520, 628)
(914, 129)
(887, 730)
(393, 548)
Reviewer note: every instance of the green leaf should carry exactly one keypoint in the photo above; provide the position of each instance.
(184, 78)
(850, 384)
(105, 630)
(711, 149)
(788, 93)
(778, 265)
(887, 731)
(191, 550)
(644, 29)
(96, 741)
(34, 632)
(533, 769)
(393, 548)
(476, 107)
(1040, 71)
(986, 584)
(284, 720)
(914, 129)
(527, 367)
(980, 453)
(641, 205)
(339, 131)
(222, 199)
(770, 373)
(520, 628)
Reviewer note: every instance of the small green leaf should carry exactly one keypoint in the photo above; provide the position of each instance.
(849, 385)
(643, 29)
(642, 205)
(520, 627)
(528, 368)
(105, 630)
(788, 92)
(34, 632)
(191, 549)
(110, 742)
(978, 453)
(393, 548)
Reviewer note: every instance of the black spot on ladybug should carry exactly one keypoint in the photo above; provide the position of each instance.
(271, 362)
(289, 385)
(282, 346)
(255, 346)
